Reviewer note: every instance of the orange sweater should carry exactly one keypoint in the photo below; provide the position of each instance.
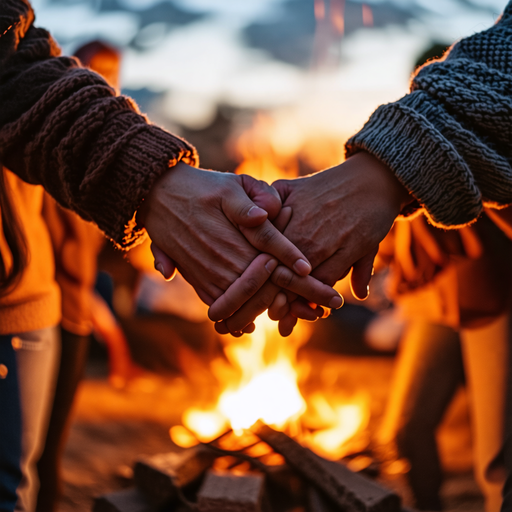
(35, 302)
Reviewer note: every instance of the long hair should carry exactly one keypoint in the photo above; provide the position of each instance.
(15, 238)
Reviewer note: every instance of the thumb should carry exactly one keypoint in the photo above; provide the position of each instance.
(284, 217)
(263, 195)
(241, 210)
(361, 274)
(163, 263)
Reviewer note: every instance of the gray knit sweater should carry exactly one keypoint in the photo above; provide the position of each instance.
(449, 141)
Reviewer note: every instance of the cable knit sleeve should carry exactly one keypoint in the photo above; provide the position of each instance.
(449, 141)
(63, 127)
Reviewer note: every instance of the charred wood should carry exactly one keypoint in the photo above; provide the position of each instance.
(348, 490)
(127, 500)
(227, 492)
(318, 502)
(161, 477)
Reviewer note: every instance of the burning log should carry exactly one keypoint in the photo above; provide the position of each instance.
(128, 500)
(161, 477)
(318, 502)
(228, 492)
(348, 490)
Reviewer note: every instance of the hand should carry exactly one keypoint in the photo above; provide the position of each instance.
(339, 217)
(196, 218)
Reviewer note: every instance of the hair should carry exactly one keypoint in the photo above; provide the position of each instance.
(15, 239)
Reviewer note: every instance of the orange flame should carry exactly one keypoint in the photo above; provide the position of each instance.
(259, 378)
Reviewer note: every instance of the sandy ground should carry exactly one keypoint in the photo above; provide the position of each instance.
(111, 428)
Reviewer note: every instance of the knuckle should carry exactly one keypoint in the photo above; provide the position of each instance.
(250, 286)
(283, 277)
(265, 236)
(264, 301)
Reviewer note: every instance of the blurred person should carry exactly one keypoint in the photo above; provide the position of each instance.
(454, 290)
(76, 244)
(64, 130)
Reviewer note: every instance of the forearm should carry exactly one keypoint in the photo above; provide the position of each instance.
(448, 141)
(62, 126)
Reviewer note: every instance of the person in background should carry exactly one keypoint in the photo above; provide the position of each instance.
(76, 244)
(454, 289)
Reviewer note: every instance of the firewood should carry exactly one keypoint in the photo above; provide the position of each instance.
(159, 477)
(226, 492)
(348, 490)
(127, 500)
(319, 502)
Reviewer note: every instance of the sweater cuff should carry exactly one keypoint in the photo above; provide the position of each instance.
(138, 159)
(423, 161)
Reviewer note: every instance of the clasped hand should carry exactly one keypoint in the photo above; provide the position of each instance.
(223, 233)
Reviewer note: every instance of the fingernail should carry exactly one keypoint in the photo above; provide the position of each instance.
(256, 211)
(302, 267)
(271, 265)
(336, 302)
(160, 268)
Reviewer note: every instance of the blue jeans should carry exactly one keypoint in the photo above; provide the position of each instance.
(29, 363)
(10, 426)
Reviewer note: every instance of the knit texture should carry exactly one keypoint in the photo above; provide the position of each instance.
(63, 127)
(449, 141)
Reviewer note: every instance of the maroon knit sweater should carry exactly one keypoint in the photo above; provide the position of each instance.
(63, 127)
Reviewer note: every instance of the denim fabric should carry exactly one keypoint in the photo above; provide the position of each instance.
(10, 428)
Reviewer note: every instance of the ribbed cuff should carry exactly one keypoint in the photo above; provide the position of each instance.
(424, 162)
(138, 157)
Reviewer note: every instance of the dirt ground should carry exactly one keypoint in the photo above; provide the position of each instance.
(111, 428)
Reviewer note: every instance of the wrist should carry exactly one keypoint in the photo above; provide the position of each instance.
(160, 183)
(385, 182)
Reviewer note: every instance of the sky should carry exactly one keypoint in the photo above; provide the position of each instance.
(260, 54)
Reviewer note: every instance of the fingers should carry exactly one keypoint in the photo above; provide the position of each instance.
(256, 305)
(284, 188)
(279, 308)
(263, 195)
(284, 217)
(241, 211)
(253, 278)
(301, 309)
(307, 287)
(287, 324)
(361, 274)
(260, 232)
(163, 263)
(268, 239)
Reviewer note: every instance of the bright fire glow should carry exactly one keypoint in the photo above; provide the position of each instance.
(206, 425)
(342, 422)
(257, 400)
(259, 378)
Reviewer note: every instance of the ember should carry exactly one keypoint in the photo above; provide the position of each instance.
(242, 481)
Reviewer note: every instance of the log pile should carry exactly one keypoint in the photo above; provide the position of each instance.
(263, 471)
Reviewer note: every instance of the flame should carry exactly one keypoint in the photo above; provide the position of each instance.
(367, 16)
(341, 421)
(259, 377)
